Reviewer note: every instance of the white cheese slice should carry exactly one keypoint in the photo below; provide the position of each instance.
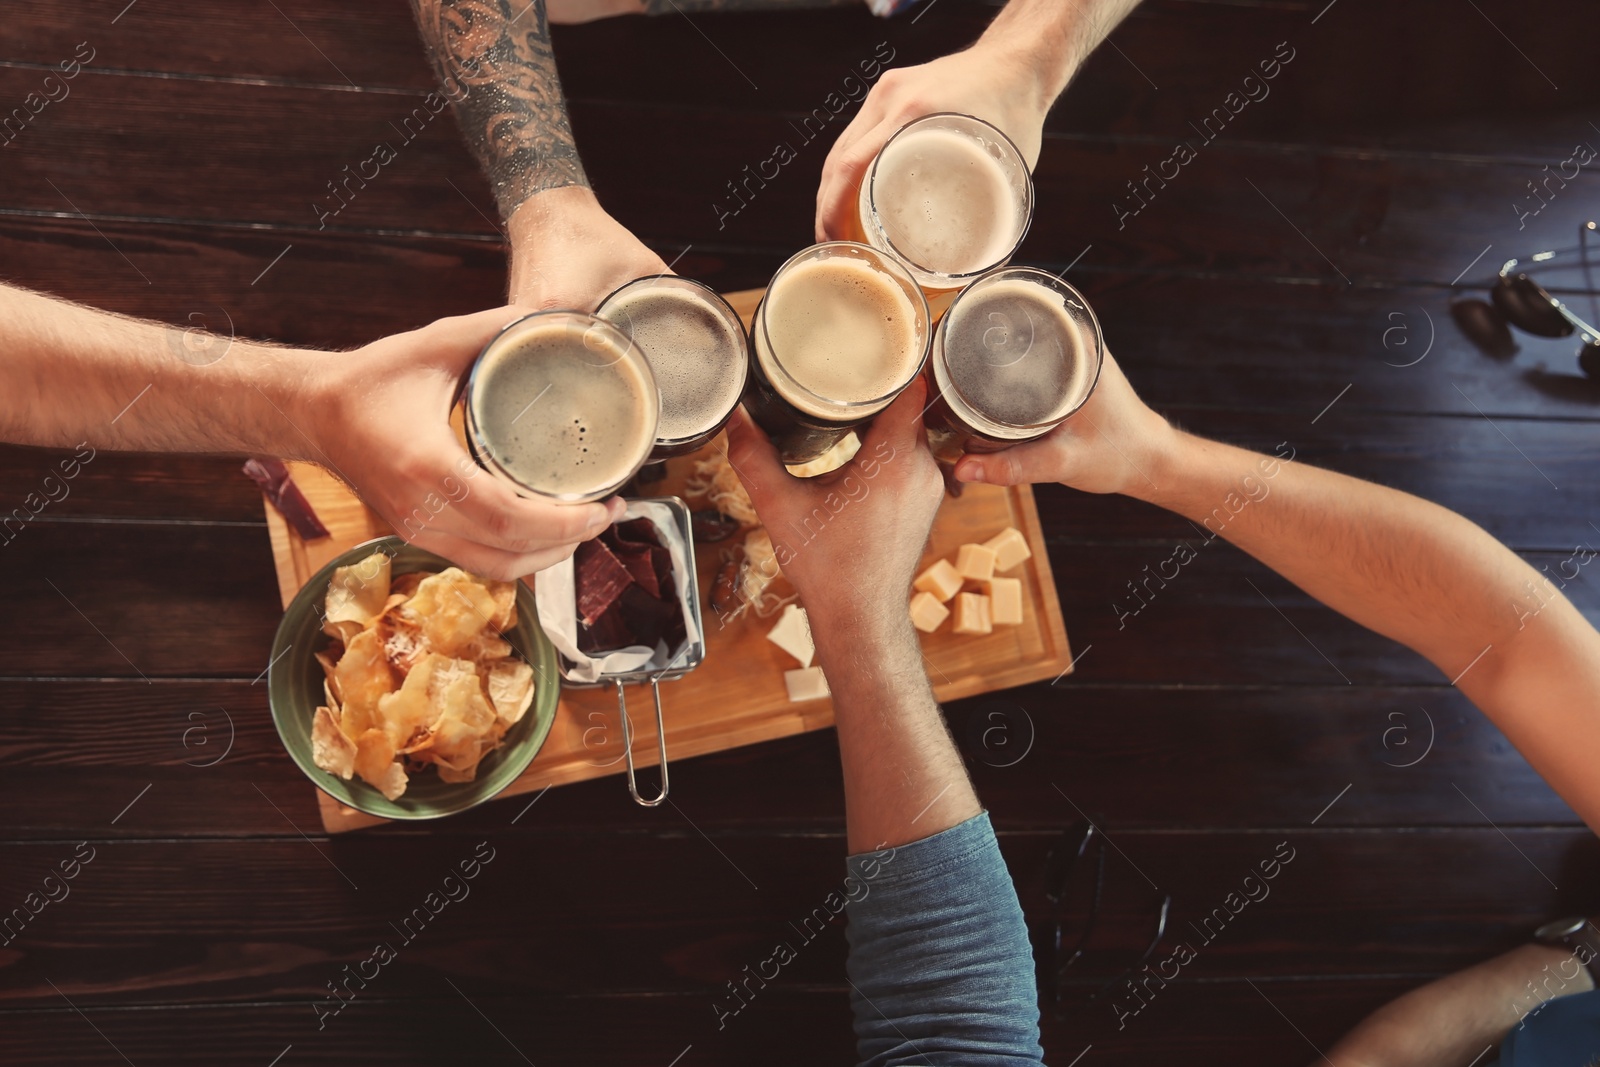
(793, 634)
(807, 683)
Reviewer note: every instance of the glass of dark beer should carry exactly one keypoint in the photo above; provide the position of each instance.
(697, 349)
(841, 331)
(561, 405)
(1017, 353)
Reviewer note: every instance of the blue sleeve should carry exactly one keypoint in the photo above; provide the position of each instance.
(940, 967)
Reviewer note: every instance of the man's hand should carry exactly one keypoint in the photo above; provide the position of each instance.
(1113, 444)
(1009, 78)
(986, 81)
(379, 417)
(849, 542)
(567, 252)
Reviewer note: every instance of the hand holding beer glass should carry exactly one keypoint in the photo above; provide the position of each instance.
(379, 417)
(841, 331)
(561, 408)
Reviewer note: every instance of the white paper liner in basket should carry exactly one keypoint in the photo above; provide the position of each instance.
(554, 594)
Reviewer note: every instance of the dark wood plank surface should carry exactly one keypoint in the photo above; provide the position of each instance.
(1226, 716)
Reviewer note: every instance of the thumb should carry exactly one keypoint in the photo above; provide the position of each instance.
(753, 457)
(900, 424)
(1035, 461)
(456, 341)
(842, 175)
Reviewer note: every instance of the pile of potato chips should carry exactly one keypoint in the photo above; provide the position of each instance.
(417, 674)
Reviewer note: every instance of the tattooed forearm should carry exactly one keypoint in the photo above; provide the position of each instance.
(497, 67)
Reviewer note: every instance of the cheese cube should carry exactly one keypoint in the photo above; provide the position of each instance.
(1005, 600)
(972, 614)
(1010, 548)
(793, 634)
(975, 562)
(927, 613)
(940, 579)
(807, 683)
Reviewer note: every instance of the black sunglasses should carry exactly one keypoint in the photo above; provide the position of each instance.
(1520, 300)
(1064, 859)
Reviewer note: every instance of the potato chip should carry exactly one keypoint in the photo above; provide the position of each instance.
(341, 632)
(417, 674)
(452, 608)
(402, 639)
(405, 585)
(331, 750)
(357, 593)
(510, 689)
(363, 675)
(487, 649)
(407, 711)
(375, 763)
(504, 595)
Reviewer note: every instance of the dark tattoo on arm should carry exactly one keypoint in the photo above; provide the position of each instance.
(495, 62)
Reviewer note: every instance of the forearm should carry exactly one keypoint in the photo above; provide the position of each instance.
(903, 777)
(1453, 1020)
(72, 374)
(498, 70)
(1417, 573)
(940, 965)
(1052, 38)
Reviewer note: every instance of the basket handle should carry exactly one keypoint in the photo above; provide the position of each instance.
(627, 742)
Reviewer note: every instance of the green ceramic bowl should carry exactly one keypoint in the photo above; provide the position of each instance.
(294, 689)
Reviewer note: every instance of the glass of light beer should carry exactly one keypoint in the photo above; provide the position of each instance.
(841, 331)
(562, 405)
(951, 196)
(697, 349)
(1017, 353)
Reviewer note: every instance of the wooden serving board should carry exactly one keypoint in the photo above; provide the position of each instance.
(737, 696)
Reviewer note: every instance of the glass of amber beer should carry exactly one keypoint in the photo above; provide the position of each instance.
(697, 349)
(841, 331)
(562, 405)
(1017, 353)
(949, 195)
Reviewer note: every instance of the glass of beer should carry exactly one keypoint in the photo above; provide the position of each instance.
(841, 331)
(697, 349)
(951, 196)
(562, 405)
(1017, 353)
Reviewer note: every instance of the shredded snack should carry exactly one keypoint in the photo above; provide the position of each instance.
(715, 479)
(417, 674)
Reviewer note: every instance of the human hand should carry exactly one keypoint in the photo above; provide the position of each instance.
(568, 253)
(1113, 444)
(991, 81)
(379, 416)
(849, 541)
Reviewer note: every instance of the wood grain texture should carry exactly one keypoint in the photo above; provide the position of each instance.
(1198, 735)
(1350, 900)
(1131, 756)
(1335, 217)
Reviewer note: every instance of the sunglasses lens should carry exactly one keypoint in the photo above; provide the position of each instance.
(1526, 305)
(1484, 327)
(1589, 359)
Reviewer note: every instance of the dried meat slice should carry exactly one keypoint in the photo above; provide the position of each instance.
(600, 579)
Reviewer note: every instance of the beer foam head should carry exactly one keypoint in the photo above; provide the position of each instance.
(696, 349)
(842, 329)
(1014, 354)
(563, 405)
(951, 200)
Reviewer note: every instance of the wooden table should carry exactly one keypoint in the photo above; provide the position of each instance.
(1199, 734)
